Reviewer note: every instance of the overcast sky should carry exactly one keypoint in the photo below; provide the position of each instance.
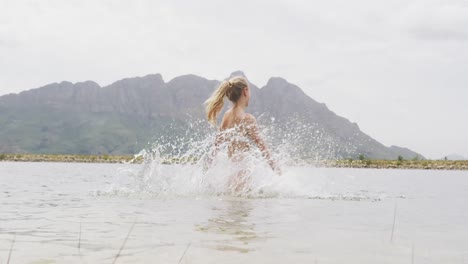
(397, 68)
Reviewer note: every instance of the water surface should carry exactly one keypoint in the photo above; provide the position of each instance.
(82, 213)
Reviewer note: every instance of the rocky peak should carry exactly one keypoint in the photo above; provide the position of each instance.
(280, 85)
(237, 73)
(277, 81)
(87, 85)
(150, 80)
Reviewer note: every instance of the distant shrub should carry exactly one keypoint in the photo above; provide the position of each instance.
(400, 160)
(361, 157)
(2, 156)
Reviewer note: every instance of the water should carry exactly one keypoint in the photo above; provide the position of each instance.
(82, 213)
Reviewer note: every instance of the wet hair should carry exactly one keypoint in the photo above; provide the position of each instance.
(232, 89)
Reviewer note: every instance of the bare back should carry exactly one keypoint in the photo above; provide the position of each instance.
(240, 131)
(234, 128)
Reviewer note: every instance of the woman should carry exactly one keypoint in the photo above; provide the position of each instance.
(238, 129)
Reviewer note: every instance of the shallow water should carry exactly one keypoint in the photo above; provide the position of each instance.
(82, 213)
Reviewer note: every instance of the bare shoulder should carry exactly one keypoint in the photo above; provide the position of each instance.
(250, 121)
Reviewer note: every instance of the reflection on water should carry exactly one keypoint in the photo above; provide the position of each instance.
(232, 227)
(53, 212)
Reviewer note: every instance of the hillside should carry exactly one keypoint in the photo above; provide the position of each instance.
(126, 116)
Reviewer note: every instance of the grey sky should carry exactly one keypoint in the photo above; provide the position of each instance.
(397, 68)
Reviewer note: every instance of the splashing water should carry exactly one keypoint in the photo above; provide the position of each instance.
(176, 165)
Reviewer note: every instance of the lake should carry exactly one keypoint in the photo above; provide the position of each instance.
(101, 213)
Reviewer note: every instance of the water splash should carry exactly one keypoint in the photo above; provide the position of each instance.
(176, 165)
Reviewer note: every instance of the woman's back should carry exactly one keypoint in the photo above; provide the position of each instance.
(234, 131)
(238, 129)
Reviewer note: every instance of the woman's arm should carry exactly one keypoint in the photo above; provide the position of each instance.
(254, 135)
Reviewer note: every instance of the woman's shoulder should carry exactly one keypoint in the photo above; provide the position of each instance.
(248, 122)
(249, 118)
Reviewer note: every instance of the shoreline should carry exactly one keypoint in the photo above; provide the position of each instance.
(371, 164)
(397, 164)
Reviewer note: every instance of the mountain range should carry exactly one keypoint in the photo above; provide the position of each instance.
(133, 113)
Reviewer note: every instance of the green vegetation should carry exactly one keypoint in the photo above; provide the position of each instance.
(345, 163)
(400, 160)
(77, 132)
(368, 162)
(66, 158)
(398, 164)
(106, 158)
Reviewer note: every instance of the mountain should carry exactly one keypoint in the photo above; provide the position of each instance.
(127, 115)
(454, 156)
(406, 153)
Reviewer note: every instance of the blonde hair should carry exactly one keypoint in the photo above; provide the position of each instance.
(231, 88)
